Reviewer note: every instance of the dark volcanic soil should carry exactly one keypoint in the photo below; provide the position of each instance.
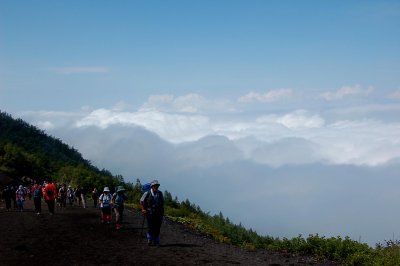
(74, 236)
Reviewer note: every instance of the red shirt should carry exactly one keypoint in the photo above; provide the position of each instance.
(47, 188)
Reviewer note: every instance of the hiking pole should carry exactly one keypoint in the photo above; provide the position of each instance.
(144, 218)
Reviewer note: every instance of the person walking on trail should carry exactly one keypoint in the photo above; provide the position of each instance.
(70, 195)
(118, 200)
(84, 191)
(7, 195)
(37, 198)
(105, 201)
(50, 194)
(20, 195)
(14, 198)
(62, 196)
(152, 204)
(95, 197)
(78, 195)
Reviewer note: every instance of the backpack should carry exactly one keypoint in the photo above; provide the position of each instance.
(146, 187)
(37, 193)
(62, 191)
(119, 199)
(50, 192)
(105, 200)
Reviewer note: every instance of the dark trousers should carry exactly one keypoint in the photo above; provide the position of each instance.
(38, 204)
(154, 221)
(106, 214)
(50, 205)
(8, 203)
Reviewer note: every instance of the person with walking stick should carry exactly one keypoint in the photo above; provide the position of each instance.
(152, 204)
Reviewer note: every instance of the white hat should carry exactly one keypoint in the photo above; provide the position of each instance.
(155, 183)
(106, 189)
(20, 186)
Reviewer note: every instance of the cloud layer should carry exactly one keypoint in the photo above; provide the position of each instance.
(272, 138)
(303, 169)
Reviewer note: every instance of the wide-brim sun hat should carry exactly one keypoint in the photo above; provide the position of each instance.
(155, 183)
(106, 189)
(120, 189)
(20, 186)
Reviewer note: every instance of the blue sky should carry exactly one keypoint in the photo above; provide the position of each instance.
(222, 92)
(128, 50)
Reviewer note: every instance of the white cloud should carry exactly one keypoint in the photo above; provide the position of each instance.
(270, 96)
(177, 120)
(346, 91)
(46, 125)
(301, 119)
(171, 127)
(51, 119)
(79, 70)
(158, 102)
(189, 103)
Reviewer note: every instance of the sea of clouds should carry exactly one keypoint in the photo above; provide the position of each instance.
(283, 171)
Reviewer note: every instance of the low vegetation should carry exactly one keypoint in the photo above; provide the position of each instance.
(26, 151)
(343, 250)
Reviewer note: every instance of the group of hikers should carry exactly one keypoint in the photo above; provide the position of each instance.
(49, 192)
(151, 203)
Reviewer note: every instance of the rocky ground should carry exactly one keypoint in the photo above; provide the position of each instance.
(74, 236)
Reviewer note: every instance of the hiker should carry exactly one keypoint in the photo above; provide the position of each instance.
(20, 195)
(105, 201)
(118, 200)
(84, 191)
(78, 195)
(95, 197)
(37, 198)
(152, 204)
(14, 199)
(29, 191)
(50, 194)
(62, 196)
(8, 194)
(70, 195)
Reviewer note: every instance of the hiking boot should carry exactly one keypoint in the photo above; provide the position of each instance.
(149, 243)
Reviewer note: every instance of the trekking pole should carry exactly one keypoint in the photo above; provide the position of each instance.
(144, 218)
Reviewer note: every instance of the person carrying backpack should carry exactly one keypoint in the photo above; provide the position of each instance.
(20, 195)
(70, 195)
(105, 201)
(95, 197)
(8, 195)
(152, 204)
(37, 198)
(118, 200)
(50, 195)
(78, 195)
(62, 195)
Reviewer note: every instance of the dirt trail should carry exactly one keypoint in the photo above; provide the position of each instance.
(74, 236)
